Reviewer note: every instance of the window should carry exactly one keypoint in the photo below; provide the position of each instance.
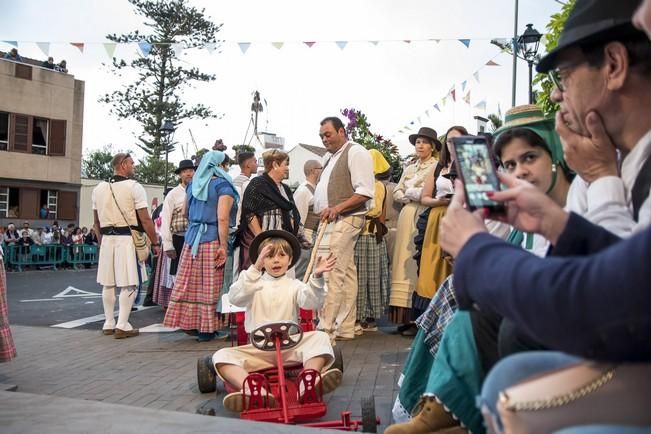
(4, 131)
(39, 136)
(52, 203)
(10, 196)
(4, 201)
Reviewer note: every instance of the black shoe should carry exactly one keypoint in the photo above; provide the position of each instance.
(149, 302)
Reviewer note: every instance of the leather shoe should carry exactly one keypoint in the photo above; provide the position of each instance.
(121, 334)
(108, 332)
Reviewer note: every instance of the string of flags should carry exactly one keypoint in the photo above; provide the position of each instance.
(145, 47)
(452, 95)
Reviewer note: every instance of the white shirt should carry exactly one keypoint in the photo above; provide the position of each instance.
(267, 298)
(240, 182)
(607, 201)
(303, 198)
(131, 196)
(360, 165)
(174, 202)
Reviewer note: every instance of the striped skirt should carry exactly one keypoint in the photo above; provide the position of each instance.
(7, 347)
(163, 281)
(196, 291)
(373, 280)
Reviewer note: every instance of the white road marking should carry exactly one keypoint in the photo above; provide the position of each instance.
(158, 328)
(71, 291)
(83, 321)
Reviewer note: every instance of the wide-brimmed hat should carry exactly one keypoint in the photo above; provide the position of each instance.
(185, 164)
(424, 132)
(590, 21)
(290, 238)
(531, 117)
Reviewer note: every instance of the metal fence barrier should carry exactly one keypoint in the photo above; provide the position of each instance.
(49, 255)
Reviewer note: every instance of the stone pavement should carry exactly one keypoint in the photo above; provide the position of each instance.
(158, 370)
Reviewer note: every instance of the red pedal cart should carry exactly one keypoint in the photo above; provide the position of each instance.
(285, 382)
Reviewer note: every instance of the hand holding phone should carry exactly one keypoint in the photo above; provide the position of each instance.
(477, 171)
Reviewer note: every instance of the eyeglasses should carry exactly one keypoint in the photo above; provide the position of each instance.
(559, 75)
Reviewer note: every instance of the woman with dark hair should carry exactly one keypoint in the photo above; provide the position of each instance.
(434, 269)
(408, 191)
(267, 204)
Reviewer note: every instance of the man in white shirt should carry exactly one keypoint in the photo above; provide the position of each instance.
(343, 196)
(304, 200)
(248, 166)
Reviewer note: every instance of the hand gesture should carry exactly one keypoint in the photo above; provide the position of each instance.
(156, 250)
(329, 215)
(592, 156)
(323, 265)
(259, 263)
(459, 224)
(171, 254)
(220, 258)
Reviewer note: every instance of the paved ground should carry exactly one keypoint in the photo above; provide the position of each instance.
(154, 370)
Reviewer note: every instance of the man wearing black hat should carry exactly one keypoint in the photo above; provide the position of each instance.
(173, 226)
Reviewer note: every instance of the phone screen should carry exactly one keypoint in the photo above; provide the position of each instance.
(477, 171)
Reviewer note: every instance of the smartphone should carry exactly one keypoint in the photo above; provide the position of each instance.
(477, 171)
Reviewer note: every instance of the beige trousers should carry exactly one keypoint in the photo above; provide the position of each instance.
(337, 317)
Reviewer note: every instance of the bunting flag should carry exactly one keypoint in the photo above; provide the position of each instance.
(476, 75)
(145, 47)
(374, 42)
(481, 105)
(407, 41)
(79, 45)
(44, 47)
(309, 44)
(418, 119)
(436, 106)
(14, 43)
(465, 42)
(467, 98)
(244, 46)
(407, 128)
(453, 92)
(341, 44)
(443, 101)
(435, 40)
(427, 112)
(177, 47)
(463, 85)
(110, 49)
(278, 45)
(499, 110)
(211, 47)
(492, 63)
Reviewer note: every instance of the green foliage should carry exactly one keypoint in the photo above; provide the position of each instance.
(157, 92)
(151, 170)
(359, 131)
(554, 28)
(495, 120)
(97, 164)
(242, 148)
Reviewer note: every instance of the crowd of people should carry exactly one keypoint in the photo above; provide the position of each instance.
(542, 311)
(62, 66)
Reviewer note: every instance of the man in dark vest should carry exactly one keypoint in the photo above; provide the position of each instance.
(342, 197)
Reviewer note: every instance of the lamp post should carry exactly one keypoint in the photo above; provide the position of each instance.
(528, 44)
(167, 130)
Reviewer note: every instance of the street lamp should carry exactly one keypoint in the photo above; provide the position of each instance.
(528, 44)
(167, 130)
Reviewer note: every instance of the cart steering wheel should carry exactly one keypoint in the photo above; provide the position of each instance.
(264, 337)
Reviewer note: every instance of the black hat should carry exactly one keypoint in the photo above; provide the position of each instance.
(589, 21)
(290, 238)
(424, 132)
(185, 164)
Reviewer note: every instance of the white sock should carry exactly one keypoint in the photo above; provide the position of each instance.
(127, 295)
(108, 300)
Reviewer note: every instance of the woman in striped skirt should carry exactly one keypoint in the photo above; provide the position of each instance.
(7, 348)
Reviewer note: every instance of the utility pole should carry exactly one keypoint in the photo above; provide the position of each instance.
(256, 107)
(515, 53)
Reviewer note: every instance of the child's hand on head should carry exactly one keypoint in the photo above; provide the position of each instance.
(259, 263)
(324, 265)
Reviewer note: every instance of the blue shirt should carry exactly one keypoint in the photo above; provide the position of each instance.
(206, 211)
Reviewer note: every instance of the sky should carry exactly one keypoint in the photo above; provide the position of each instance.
(393, 82)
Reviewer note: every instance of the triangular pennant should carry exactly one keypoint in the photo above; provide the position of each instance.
(407, 41)
(418, 119)
(79, 45)
(341, 44)
(463, 85)
(211, 47)
(145, 48)
(177, 47)
(110, 48)
(481, 105)
(476, 75)
(435, 40)
(499, 110)
(374, 42)
(465, 42)
(444, 100)
(400, 131)
(453, 93)
(407, 128)
(309, 43)
(467, 98)
(14, 43)
(411, 123)
(436, 106)
(491, 63)
(44, 47)
(427, 112)
(244, 46)
(278, 45)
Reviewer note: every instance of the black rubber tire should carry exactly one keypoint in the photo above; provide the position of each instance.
(339, 359)
(206, 378)
(369, 420)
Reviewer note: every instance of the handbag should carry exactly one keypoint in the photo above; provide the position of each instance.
(140, 240)
(584, 393)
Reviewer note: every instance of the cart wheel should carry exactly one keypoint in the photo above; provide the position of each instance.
(206, 375)
(369, 421)
(339, 359)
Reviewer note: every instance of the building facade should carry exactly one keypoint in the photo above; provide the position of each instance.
(298, 156)
(41, 121)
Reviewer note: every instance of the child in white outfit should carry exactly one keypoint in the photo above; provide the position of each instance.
(272, 296)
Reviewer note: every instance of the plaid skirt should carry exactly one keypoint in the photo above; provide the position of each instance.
(196, 291)
(373, 280)
(163, 281)
(7, 347)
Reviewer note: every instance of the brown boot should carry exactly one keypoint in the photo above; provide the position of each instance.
(432, 417)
